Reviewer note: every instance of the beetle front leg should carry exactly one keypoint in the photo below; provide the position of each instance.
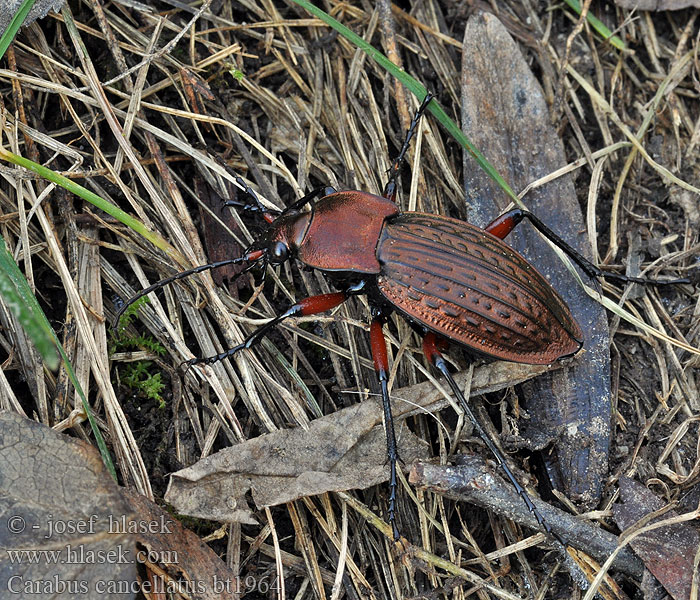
(308, 306)
(325, 190)
(503, 225)
(381, 366)
(431, 344)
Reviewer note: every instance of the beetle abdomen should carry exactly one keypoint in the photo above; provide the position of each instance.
(469, 286)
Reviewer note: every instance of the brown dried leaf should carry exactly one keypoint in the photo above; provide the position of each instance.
(345, 450)
(341, 451)
(192, 567)
(68, 529)
(668, 552)
(505, 115)
(58, 504)
(218, 241)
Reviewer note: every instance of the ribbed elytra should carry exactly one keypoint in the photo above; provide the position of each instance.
(469, 286)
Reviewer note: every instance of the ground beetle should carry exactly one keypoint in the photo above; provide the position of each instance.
(452, 281)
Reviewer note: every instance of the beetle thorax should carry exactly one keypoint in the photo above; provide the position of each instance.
(343, 232)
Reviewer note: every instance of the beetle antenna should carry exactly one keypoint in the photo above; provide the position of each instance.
(163, 282)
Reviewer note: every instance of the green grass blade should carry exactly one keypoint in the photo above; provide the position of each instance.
(14, 25)
(20, 299)
(94, 199)
(99, 440)
(598, 26)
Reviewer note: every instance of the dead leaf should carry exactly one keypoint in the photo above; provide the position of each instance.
(59, 505)
(219, 243)
(41, 8)
(342, 451)
(506, 117)
(667, 552)
(68, 529)
(192, 567)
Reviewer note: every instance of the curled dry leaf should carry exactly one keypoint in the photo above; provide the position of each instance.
(342, 451)
(667, 552)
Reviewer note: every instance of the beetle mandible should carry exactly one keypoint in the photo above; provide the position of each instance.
(452, 281)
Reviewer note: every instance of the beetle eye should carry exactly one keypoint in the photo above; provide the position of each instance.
(278, 253)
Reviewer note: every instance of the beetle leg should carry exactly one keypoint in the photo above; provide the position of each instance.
(503, 225)
(381, 366)
(308, 306)
(248, 191)
(269, 216)
(430, 348)
(390, 187)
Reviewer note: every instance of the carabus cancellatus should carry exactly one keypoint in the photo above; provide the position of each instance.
(452, 281)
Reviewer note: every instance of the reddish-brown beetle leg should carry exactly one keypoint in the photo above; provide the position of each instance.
(381, 366)
(308, 306)
(501, 226)
(431, 349)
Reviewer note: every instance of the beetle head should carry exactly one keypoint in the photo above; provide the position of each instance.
(282, 239)
(280, 242)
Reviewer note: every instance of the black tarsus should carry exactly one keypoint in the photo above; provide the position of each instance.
(248, 342)
(586, 265)
(257, 207)
(441, 365)
(390, 187)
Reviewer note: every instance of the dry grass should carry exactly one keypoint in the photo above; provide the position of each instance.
(126, 120)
